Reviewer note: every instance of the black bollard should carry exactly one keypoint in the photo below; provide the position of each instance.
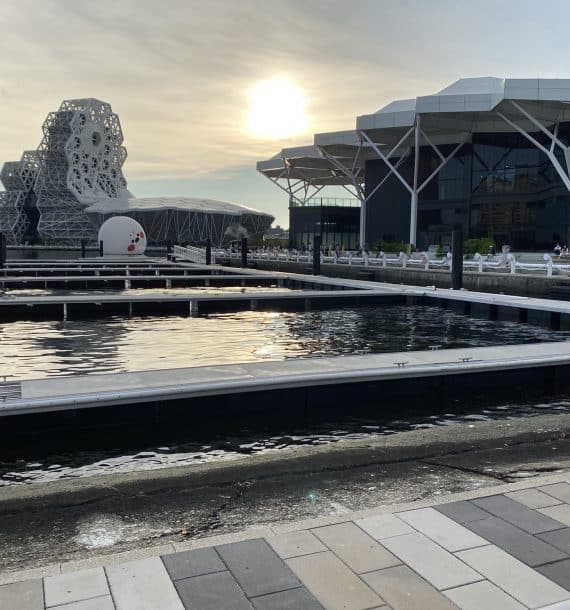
(101, 247)
(457, 258)
(244, 251)
(168, 247)
(208, 251)
(2, 251)
(317, 255)
(83, 248)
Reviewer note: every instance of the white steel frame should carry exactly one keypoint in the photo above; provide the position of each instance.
(415, 188)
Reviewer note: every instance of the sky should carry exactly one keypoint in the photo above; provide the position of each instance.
(179, 73)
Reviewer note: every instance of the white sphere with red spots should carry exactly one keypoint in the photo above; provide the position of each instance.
(122, 235)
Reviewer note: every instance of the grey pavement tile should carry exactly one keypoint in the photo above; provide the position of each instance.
(528, 549)
(558, 572)
(358, 550)
(560, 539)
(514, 577)
(193, 563)
(257, 568)
(482, 595)
(332, 583)
(32, 573)
(294, 544)
(560, 491)
(218, 591)
(95, 603)
(142, 585)
(25, 595)
(439, 567)
(560, 512)
(559, 606)
(75, 586)
(533, 498)
(292, 599)
(403, 589)
(462, 512)
(441, 529)
(525, 518)
(384, 526)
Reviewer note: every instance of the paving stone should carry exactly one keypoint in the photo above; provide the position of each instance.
(257, 568)
(514, 577)
(384, 526)
(462, 511)
(193, 563)
(403, 589)
(142, 585)
(218, 591)
(560, 539)
(357, 549)
(75, 586)
(560, 491)
(558, 572)
(294, 544)
(293, 599)
(528, 549)
(533, 498)
(332, 583)
(442, 569)
(25, 595)
(441, 529)
(560, 606)
(525, 518)
(560, 513)
(95, 603)
(482, 595)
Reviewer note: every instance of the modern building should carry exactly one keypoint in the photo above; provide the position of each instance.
(63, 191)
(491, 155)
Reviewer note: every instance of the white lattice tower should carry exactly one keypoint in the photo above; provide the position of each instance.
(81, 158)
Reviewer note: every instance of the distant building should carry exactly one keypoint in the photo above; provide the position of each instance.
(63, 191)
(489, 154)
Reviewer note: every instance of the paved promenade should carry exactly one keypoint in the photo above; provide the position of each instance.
(503, 548)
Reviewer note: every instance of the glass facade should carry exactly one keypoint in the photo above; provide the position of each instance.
(499, 186)
(337, 225)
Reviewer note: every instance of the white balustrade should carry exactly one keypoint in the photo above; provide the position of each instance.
(505, 263)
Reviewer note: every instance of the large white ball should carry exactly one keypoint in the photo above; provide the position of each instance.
(122, 235)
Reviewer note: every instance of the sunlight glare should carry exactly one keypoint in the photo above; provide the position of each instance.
(277, 109)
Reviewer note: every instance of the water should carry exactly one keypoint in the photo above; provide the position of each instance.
(35, 349)
(146, 292)
(215, 440)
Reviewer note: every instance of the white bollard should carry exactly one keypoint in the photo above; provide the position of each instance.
(548, 260)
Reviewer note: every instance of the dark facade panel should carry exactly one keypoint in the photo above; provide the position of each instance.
(337, 225)
(500, 186)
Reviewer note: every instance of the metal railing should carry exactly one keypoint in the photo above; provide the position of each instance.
(504, 263)
(190, 253)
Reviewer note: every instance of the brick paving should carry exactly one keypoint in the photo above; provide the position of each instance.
(504, 549)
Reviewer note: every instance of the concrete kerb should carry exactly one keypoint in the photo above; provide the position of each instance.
(273, 530)
(399, 447)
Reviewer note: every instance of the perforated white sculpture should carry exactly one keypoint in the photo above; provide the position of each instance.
(78, 162)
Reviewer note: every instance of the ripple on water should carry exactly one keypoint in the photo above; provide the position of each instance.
(32, 349)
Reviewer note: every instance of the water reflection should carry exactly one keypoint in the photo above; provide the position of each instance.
(37, 349)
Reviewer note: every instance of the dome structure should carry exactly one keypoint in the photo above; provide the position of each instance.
(122, 235)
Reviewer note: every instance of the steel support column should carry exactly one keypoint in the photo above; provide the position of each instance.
(415, 192)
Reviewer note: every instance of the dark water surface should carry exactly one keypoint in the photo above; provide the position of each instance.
(35, 349)
(209, 440)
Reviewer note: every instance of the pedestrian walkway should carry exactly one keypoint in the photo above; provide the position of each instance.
(503, 548)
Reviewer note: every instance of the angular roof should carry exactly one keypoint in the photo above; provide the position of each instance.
(184, 204)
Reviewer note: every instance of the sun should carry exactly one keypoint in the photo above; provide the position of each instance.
(277, 109)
